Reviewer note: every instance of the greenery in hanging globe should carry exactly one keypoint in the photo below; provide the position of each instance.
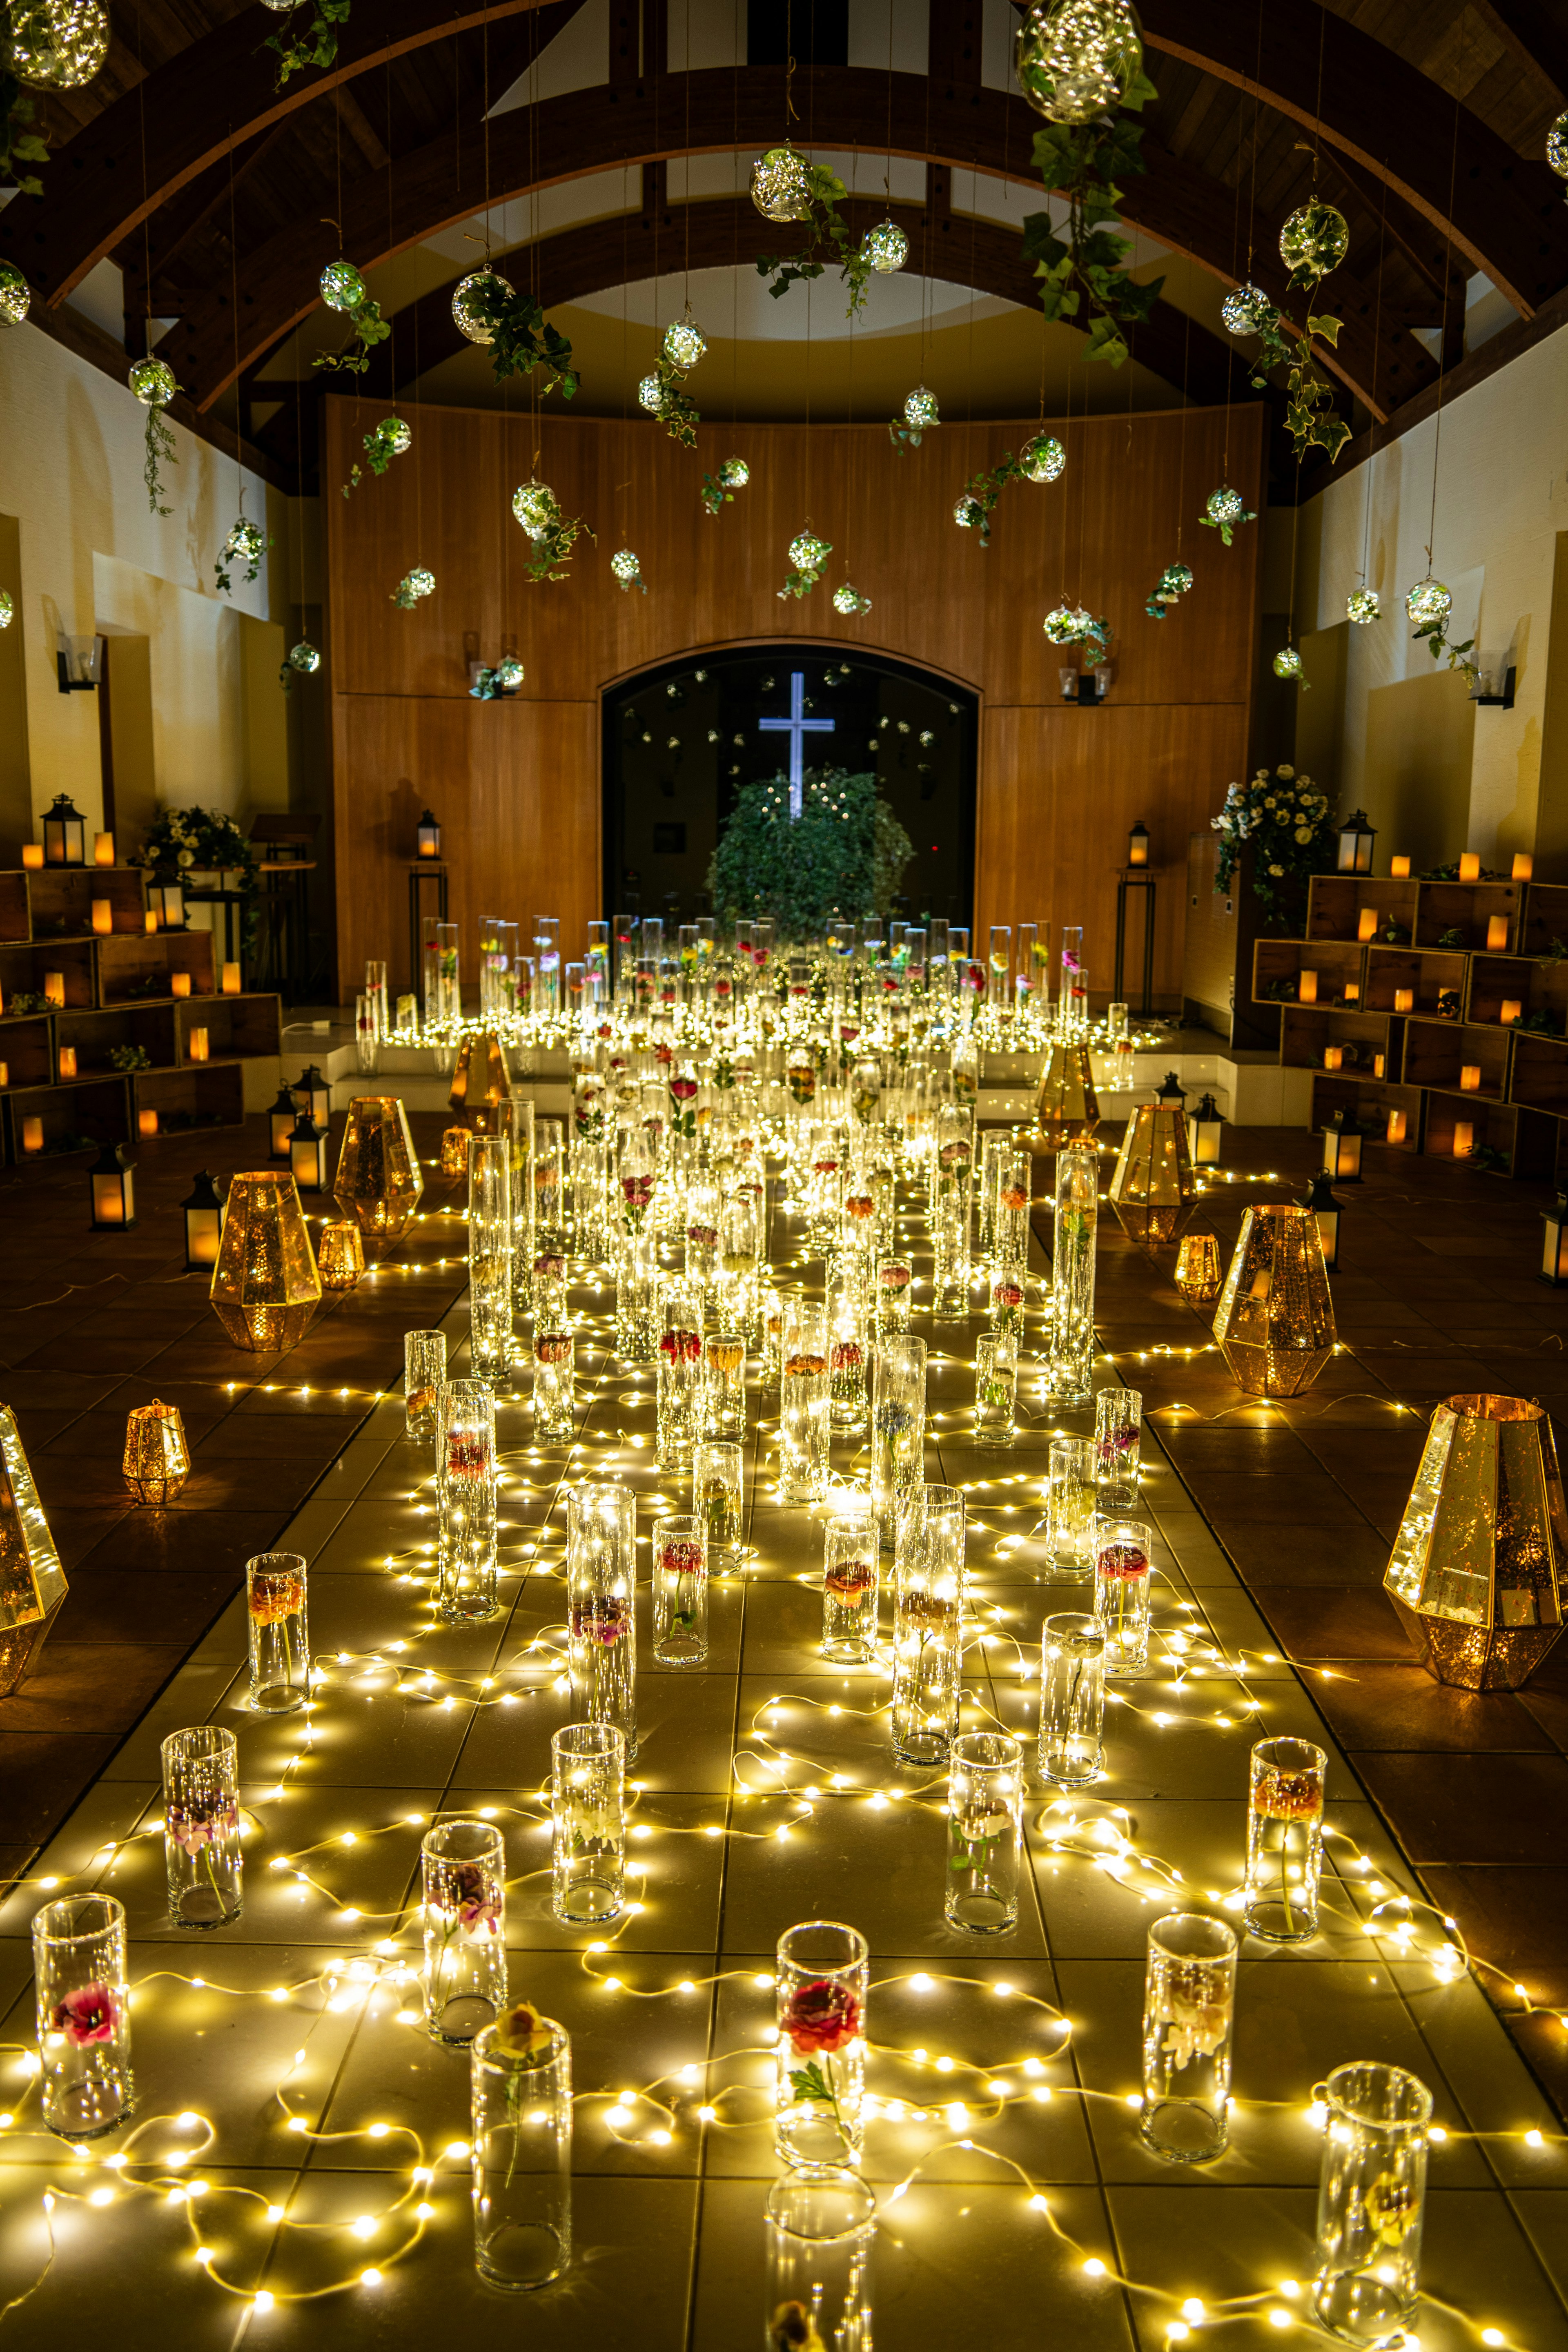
(650, 396)
(1557, 146)
(684, 344)
(1363, 604)
(472, 298)
(1245, 309)
(886, 247)
(14, 294)
(554, 533)
(781, 186)
(785, 187)
(389, 439)
(343, 287)
(1060, 624)
(807, 554)
(1078, 58)
(967, 511)
(1431, 607)
(55, 44)
(627, 570)
(1287, 819)
(536, 507)
(1225, 511)
(152, 382)
(489, 310)
(412, 586)
(247, 543)
(1428, 601)
(1042, 459)
(920, 417)
(498, 685)
(8, 609)
(1169, 589)
(1313, 241)
(846, 850)
(303, 661)
(317, 45)
(1287, 664)
(719, 489)
(850, 601)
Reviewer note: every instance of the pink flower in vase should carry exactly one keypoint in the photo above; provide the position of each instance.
(682, 1090)
(201, 1821)
(90, 2013)
(475, 1898)
(1007, 1294)
(1124, 1563)
(681, 1557)
(681, 1347)
(604, 1618)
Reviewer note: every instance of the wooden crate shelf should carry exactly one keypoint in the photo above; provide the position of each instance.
(61, 900)
(1470, 908)
(238, 1028)
(1535, 988)
(14, 919)
(26, 1051)
(1369, 1102)
(1436, 1051)
(136, 970)
(98, 1109)
(1278, 966)
(1540, 1080)
(96, 1034)
(24, 963)
(1429, 976)
(1545, 917)
(1308, 1033)
(1527, 1140)
(1336, 902)
(206, 1093)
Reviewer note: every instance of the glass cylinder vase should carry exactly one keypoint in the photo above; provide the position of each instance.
(465, 1504)
(280, 1642)
(717, 1498)
(601, 1587)
(424, 1372)
(1069, 1506)
(83, 2009)
(803, 1402)
(850, 1589)
(927, 1639)
(995, 1389)
(724, 1385)
(898, 1426)
(821, 1975)
(1371, 2196)
(489, 1256)
(1118, 1435)
(985, 1831)
(463, 1867)
(679, 1590)
(1285, 1840)
(1072, 1700)
(1121, 1555)
(520, 2139)
(554, 1387)
(202, 1856)
(1189, 2005)
(1070, 1365)
(588, 1810)
(895, 1282)
(821, 2228)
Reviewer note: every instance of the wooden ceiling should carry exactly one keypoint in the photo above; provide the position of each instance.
(1423, 120)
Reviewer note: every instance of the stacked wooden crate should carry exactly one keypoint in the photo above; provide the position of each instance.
(1421, 1036)
(112, 989)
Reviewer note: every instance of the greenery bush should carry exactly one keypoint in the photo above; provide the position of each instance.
(844, 855)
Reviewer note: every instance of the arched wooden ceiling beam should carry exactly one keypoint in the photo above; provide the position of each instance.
(1535, 34)
(1507, 215)
(443, 183)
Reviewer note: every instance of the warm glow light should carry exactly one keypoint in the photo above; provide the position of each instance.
(67, 1063)
(32, 1135)
(102, 850)
(1497, 934)
(146, 1122)
(1399, 868)
(179, 984)
(102, 918)
(196, 1045)
(1524, 865)
(54, 991)
(1333, 1057)
(151, 920)
(1512, 1010)
(1367, 923)
(1463, 1138)
(1470, 866)
(1307, 988)
(231, 979)
(32, 857)
(1404, 999)
(1470, 1078)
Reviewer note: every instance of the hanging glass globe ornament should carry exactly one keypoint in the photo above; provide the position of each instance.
(1246, 310)
(420, 582)
(1076, 59)
(7, 610)
(920, 410)
(14, 294)
(1314, 239)
(967, 513)
(1361, 605)
(1042, 458)
(627, 568)
(465, 318)
(536, 507)
(1287, 662)
(1428, 601)
(1176, 580)
(886, 247)
(394, 435)
(1225, 505)
(734, 474)
(1061, 625)
(1557, 146)
(683, 343)
(807, 553)
(55, 44)
(246, 542)
(509, 673)
(304, 659)
(153, 384)
(781, 186)
(651, 395)
(343, 287)
(850, 601)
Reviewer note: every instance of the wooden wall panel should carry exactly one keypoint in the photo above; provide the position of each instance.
(517, 784)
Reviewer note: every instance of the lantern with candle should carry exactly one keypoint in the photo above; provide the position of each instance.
(1326, 1209)
(280, 1122)
(1356, 838)
(1341, 1149)
(111, 1179)
(65, 833)
(157, 1460)
(204, 1222)
(427, 836)
(378, 1181)
(308, 1154)
(166, 901)
(264, 1287)
(1205, 1128)
(313, 1094)
(1137, 845)
(34, 1585)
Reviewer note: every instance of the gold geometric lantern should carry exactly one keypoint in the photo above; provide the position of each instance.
(157, 1460)
(480, 1082)
(454, 1151)
(1477, 1568)
(378, 1180)
(1065, 1109)
(32, 1582)
(1197, 1269)
(340, 1256)
(1154, 1190)
(264, 1287)
(1275, 1322)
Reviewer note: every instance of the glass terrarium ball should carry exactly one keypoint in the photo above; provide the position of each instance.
(1557, 146)
(1287, 662)
(1060, 624)
(1075, 58)
(509, 672)
(1428, 601)
(968, 514)
(465, 317)
(246, 540)
(625, 564)
(886, 247)
(305, 658)
(7, 610)
(1225, 505)
(1314, 237)
(734, 474)
(684, 344)
(421, 582)
(1176, 580)
(14, 295)
(343, 287)
(152, 382)
(780, 187)
(849, 600)
(650, 396)
(920, 409)
(56, 44)
(1361, 605)
(395, 435)
(807, 553)
(1245, 309)
(536, 508)
(1042, 458)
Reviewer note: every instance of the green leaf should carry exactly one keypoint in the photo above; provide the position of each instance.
(1326, 325)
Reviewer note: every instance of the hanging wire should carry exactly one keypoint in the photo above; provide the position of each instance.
(1376, 352)
(1448, 296)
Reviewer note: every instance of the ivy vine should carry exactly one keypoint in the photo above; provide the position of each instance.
(677, 411)
(316, 45)
(982, 491)
(19, 143)
(1086, 271)
(554, 546)
(1435, 633)
(830, 240)
(367, 328)
(382, 442)
(521, 338)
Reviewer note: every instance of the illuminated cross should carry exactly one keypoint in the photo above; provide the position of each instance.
(797, 726)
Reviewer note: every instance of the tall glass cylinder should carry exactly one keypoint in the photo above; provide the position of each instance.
(548, 1288)
(995, 1146)
(995, 1389)
(549, 1184)
(1010, 1228)
(636, 1297)
(804, 1404)
(368, 1035)
(821, 2229)
(1072, 1698)
(1072, 1017)
(702, 1236)
(280, 1640)
(463, 1865)
(850, 1588)
(985, 1831)
(521, 2138)
(1372, 2197)
(1123, 1550)
(898, 1426)
(1069, 1367)
(895, 1284)
(681, 1399)
(443, 996)
(490, 1254)
(724, 1385)
(1069, 1506)
(83, 2010)
(1117, 1432)
(514, 1121)
(718, 1499)
(424, 1370)
(821, 1974)
(679, 1590)
(1189, 2015)
(202, 1856)
(1285, 1840)
(846, 1342)
(928, 1637)
(465, 1504)
(601, 1588)
(588, 1808)
(740, 1257)
(1009, 1297)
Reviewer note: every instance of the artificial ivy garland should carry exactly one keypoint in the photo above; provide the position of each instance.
(1087, 267)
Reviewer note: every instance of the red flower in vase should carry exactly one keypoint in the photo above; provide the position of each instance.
(859, 1204)
(665, 1054)
(821, 2016)
(721, 988)
(468, 1454)
(90, 2013)
(682, 1090)
(849, 1034)
(682, 1558)
(475, 1898)
(850, 1580)
(552, 1346)
(805, 1365)
(846, 1356)
(1124, 1563)
(604, 1618)
(605, 1030)
(681, 1347)
(638, 1191)
(703, 1236)
(1012, 1196)
(894, 1277)
(1007, 1294)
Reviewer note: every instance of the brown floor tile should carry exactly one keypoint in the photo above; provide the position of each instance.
(101, 1688)
(138, 1604)
(1469, 1809)
(1518, 1918)
(1400, 1707)
(43, 1773)
(147, 1539)
(1314, 1621)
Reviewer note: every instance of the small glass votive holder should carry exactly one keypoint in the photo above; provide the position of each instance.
(1069, 1506)
(280, 1642)
(1285, 1840)
(985, 1831)
(1198, 1275)
(463, 1867)
(821, 2229)
(680, 1589)
(340, 1255)
(83, 2010)
(1189, 2015)
(157, 1460)
(588, 1808)
(717, 1498)
(1118, 1436)
(521, 2141)
(1122, 1548)
(724, 1384)
(850, 1545)
(424, 1372)
(1072, 1700)
(554, 1387)
(202, 1855)
(821, 1976)
(995, 1389)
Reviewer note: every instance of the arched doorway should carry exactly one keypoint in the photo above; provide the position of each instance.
(680, 739)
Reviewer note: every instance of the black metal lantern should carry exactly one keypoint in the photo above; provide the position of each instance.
(167, 901)
(65, 833)
(1356, 838)
(313, 1096)
(427, 835)
(1204, 1130)
(204, 1224)
(1554, 1250)
(308, 1155)
(1341, 1149)
(1137, 845)
(280, 1122)
(113, 1184)
(1317, 1196)
(1172, 1091)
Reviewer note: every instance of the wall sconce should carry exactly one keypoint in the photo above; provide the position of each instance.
(1306, 987)
(1319, 1198)
(65, 833)
(1524, 865)
(1206, 1127)
(157, 1460)
(313, 1096)
(78, 663)
(1356, 838)
(280, 1122)
(427, 836)
(203, 1223)
(308, 1155)
(103, 849)
(1469, 866)
(1341, 1149)
(1399, 868)
(167, 900)
(1137, 845)
(113, 1187)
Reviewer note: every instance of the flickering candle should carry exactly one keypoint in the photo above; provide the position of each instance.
(103, 849)
(1497, 934)
(231, 979)
(32, 1135)
(151, 921)
(1367, 923)
(1307, 988)
(102, 918)
(4, 1074)
(1352, 992)
(32, 857)
(1512, 1010)
(55, 990)
(1379, 1063)
(179, 984)
(1399, 868)
(1396, 1125)
(1470, 1078)
(146, 1122)
(1404, 999)
(1463, 1138)
(67, 1063)
(196, 1045)
(1469, 866)
(1524, 865)
(1333, 1057)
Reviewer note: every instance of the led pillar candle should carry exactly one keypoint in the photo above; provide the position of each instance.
(1470, 1078)
(179, 984)
(1307, 988)
(32, 1135)
(1463, 1138)
(54, 991)
(1470, 866)
(1497, 934)
(1367, 923)
(1333, 1057)
(231, 979)
(1399, 868)
(102, 918)
(1512, 1010)
(196, 1045)
(67, 1063)
(103, 849)
(1396, 1119)
(32, 857)
(146, 1122)
(1404, 999)
(1524, 865)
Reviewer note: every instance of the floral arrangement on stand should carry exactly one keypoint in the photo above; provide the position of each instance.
(183, 841)
(1287, 819)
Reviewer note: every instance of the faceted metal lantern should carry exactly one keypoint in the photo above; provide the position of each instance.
(32, 1582)
(1067, 1109)
(1477, 1569)
(1154, 1191)
(1275, 1323)
(157, 1460)
(378, 1182)
(265, 1288)
(480, 1082)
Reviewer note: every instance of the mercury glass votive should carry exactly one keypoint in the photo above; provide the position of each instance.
(1189, 2014)
(717, 1498)
(424, 1373)
(1071, 1463)
(554, 1387)
(264, 1287)
(1285, 1840)
(521, 2138)
(1198, 1270)
(821, 1979)
(1072, 1700)
(340, 1259)
(850, 1588)
(280, 1640)
(157, 1460)
(680, 1589)
(985, 1831)
(995, 1389)
(378, 1183)
(202, 1856)
(601, 1613)
(1122, 1549)
(588, 1810)
(82, 2001)
(463, 1890)
(803, 1402)
(455, 1152)
(466, 1503)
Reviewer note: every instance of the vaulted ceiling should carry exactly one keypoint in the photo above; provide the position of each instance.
(220, 196)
